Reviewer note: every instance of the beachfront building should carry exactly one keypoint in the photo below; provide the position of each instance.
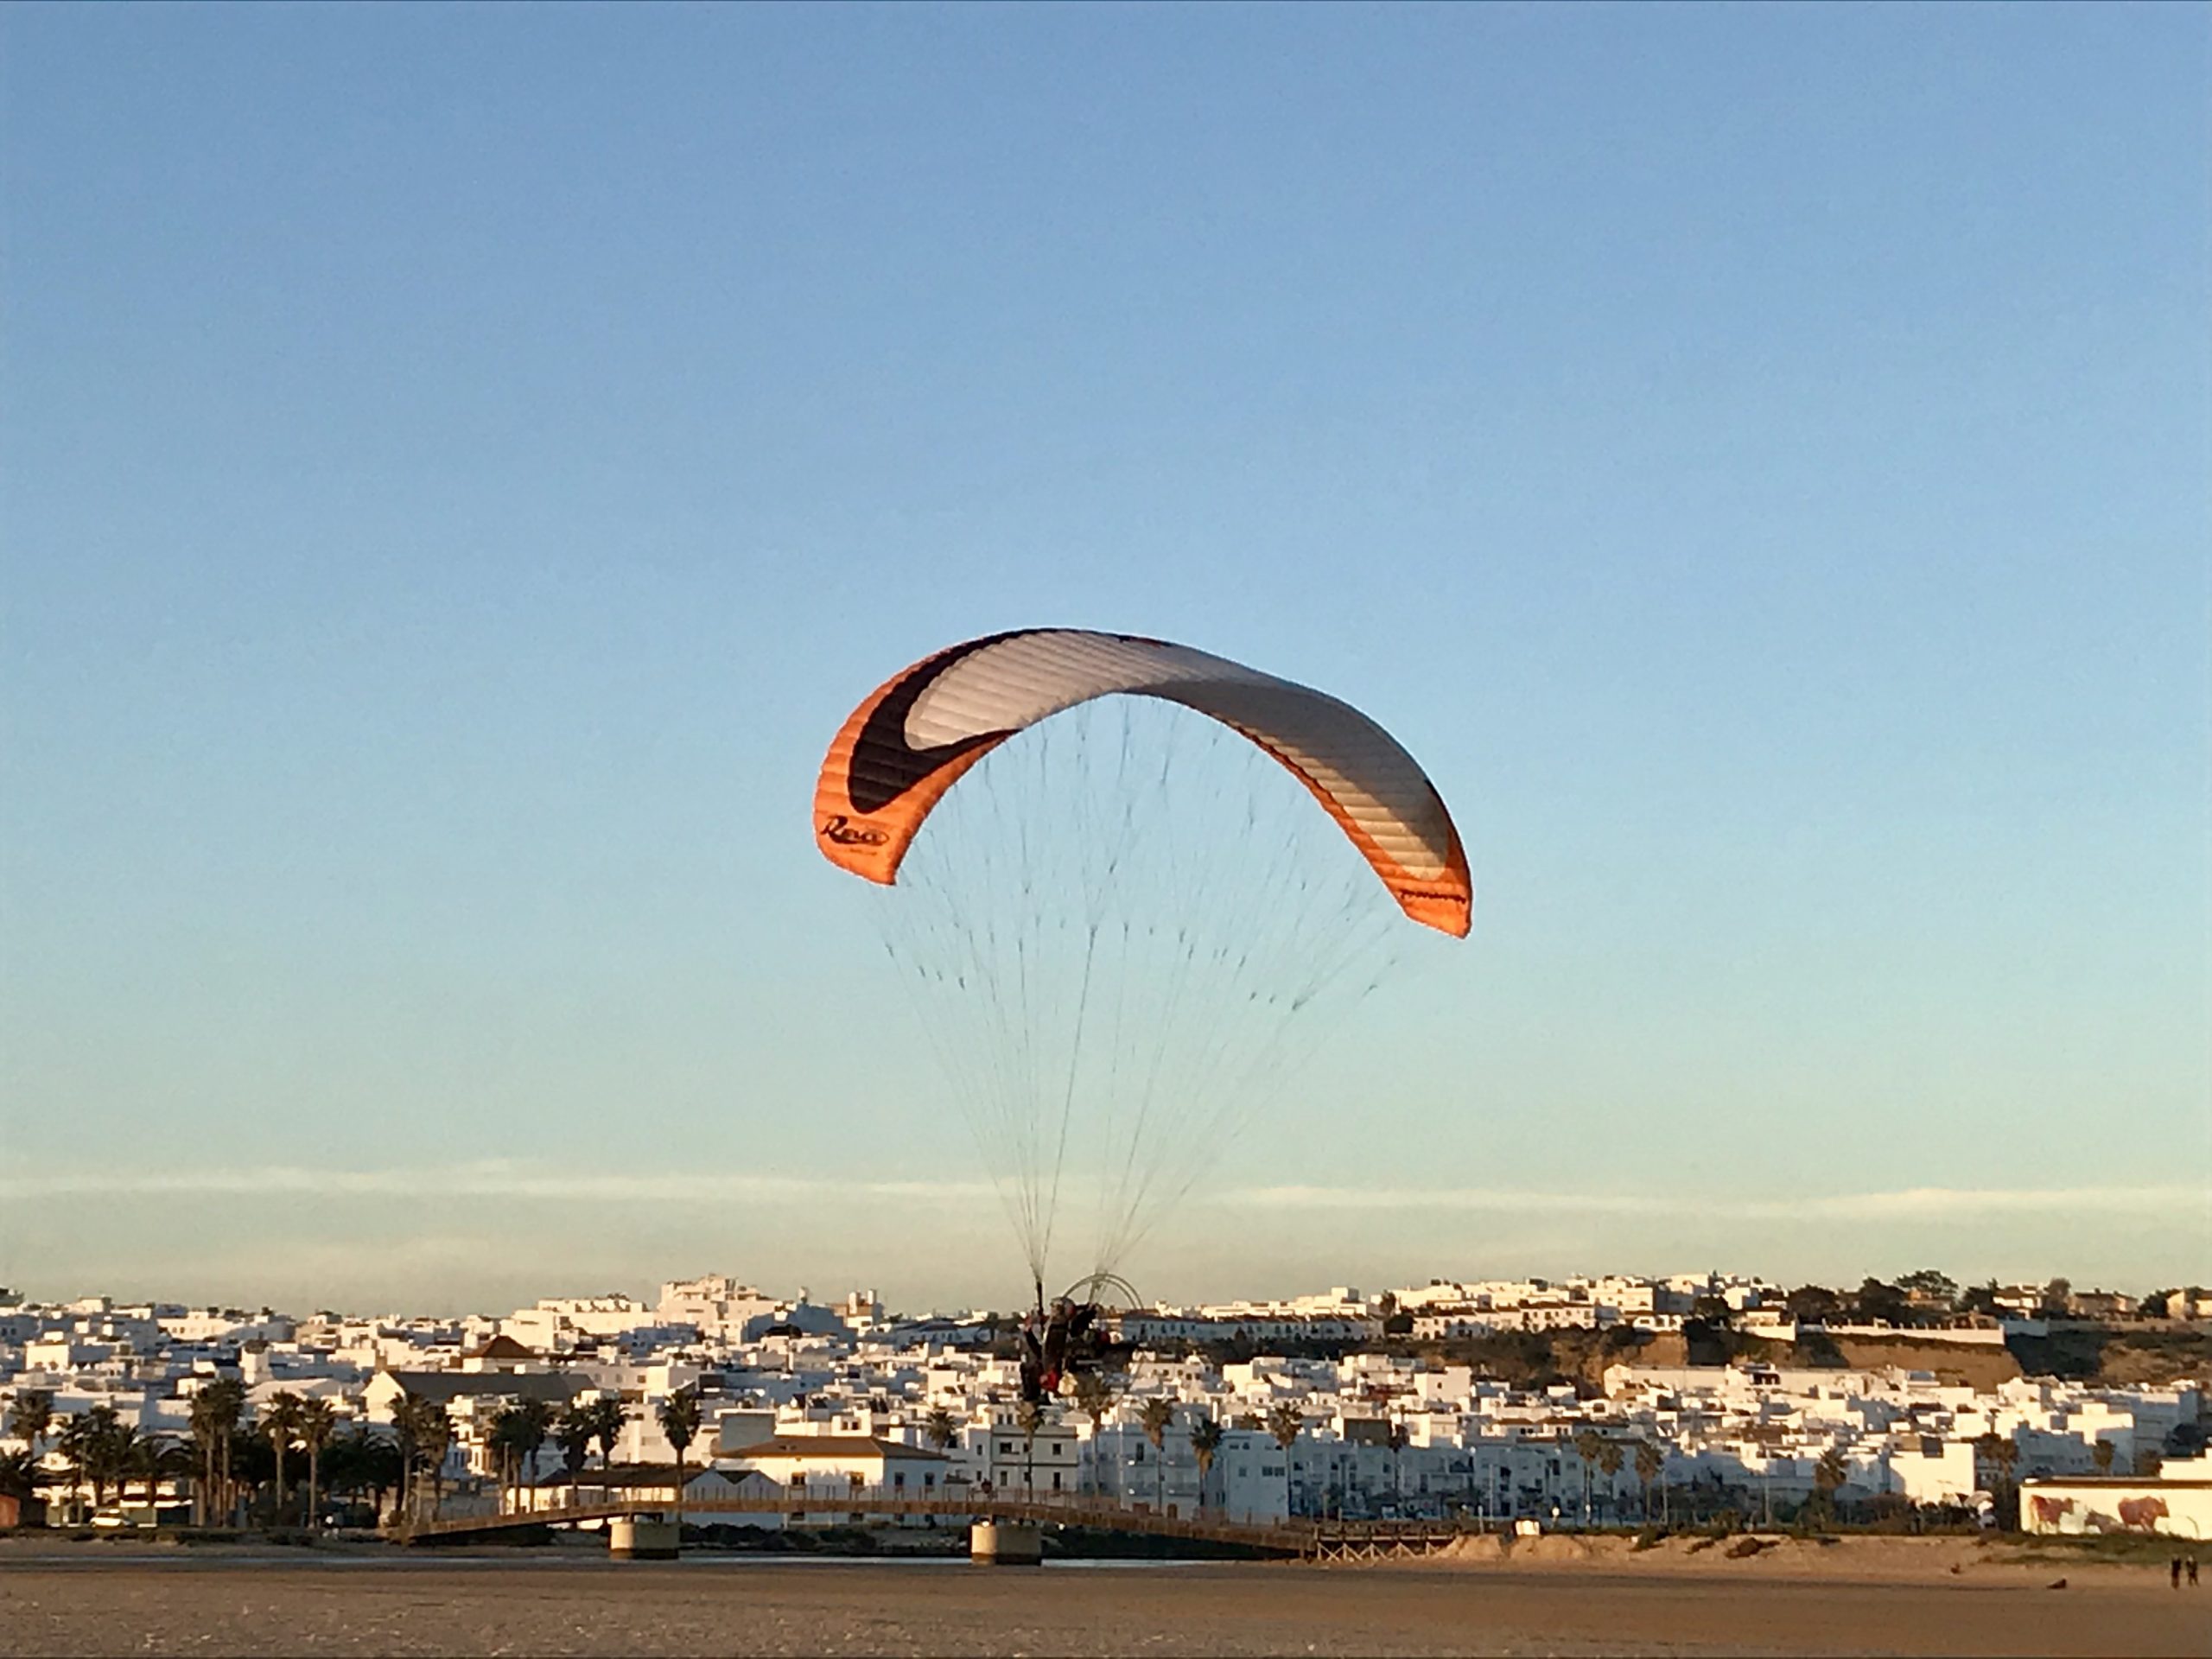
(633, 1483)
(1379, 1433)
(830, 1467)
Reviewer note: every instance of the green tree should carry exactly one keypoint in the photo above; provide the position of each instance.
(280, 1426)
(572, 1431)
(1156, 1417)
(31, 1418)
(361, 1462)
(1587, 1447)
(160, 1457)
(1981, 1299)
(1813, 1304)
(1094, 1397)
(941, 1429)
(433, 1436)
(1029, 1416)
(1876, 1303)
(2102, 1454)
(215, 1413)
(102, 1447)
(609, 1416)
(1926, 1284)
(406, 1421)
(503, 1437)
(424, 1432)
(1648, 1463)
(679, 1421)
(1828, 1476)
(534, 1419)
(1285, 1424)
(75, 1443)
(317, 1423)
(1610, 1457)
(2001, 1454)
(1206, 1436)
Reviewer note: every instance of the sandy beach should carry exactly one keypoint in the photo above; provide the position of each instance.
(94, 1601)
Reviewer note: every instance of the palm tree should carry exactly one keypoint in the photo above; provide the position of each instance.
(280, 1423)
(535, 1421)
(2102, 1454)
(1585, 1450)
(1648, 1463)
(679, 1421)
(609, 1416)
(95, 1442)
(360, 1461)
(424, 1432)
(148, 1456)
(1094, 1397)
(1609, 1459)
(1285, 1423)
(1030, 1416)
(31, 1418)
(572, 1433)
(2001, 1451)
(215, 1412)
(941, 1429)
(75, 1443)
(405, 1419)
(433, 1435)
(1205, 1440)
(1828, 1476)
(317, 1423)
(163, 1459)
(504, 1437)
(109, 1449)
(121, 1450)
(1157, 1415)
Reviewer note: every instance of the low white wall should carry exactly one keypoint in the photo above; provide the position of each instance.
(2181, 1509)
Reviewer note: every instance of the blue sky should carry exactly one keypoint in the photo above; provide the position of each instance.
(461, 464)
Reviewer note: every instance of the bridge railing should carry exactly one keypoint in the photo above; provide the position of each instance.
(490, 1512)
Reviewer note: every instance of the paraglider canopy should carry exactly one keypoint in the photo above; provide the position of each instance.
(1128, 926)
(903, 748)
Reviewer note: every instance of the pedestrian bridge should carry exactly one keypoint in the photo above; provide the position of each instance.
(1306, 1540)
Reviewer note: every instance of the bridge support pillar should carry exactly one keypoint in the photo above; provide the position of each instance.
(643, 1538)
(1006, 1543)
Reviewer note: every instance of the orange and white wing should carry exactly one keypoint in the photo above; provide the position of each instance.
(911, 741)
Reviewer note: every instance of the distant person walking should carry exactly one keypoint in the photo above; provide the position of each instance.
(2176, 1566)
(2192, 1571)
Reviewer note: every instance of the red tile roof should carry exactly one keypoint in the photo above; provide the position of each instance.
(833, 1446)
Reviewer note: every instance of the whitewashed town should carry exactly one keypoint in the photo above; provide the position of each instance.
(1611, 1402)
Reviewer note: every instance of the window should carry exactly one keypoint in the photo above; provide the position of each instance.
(1006, 1448)
(929, 1479)
(899, 1480)
(1056, 1480)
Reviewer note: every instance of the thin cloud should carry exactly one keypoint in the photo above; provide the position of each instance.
(478, 1180)
(1922, 1203)
(496, 1179)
